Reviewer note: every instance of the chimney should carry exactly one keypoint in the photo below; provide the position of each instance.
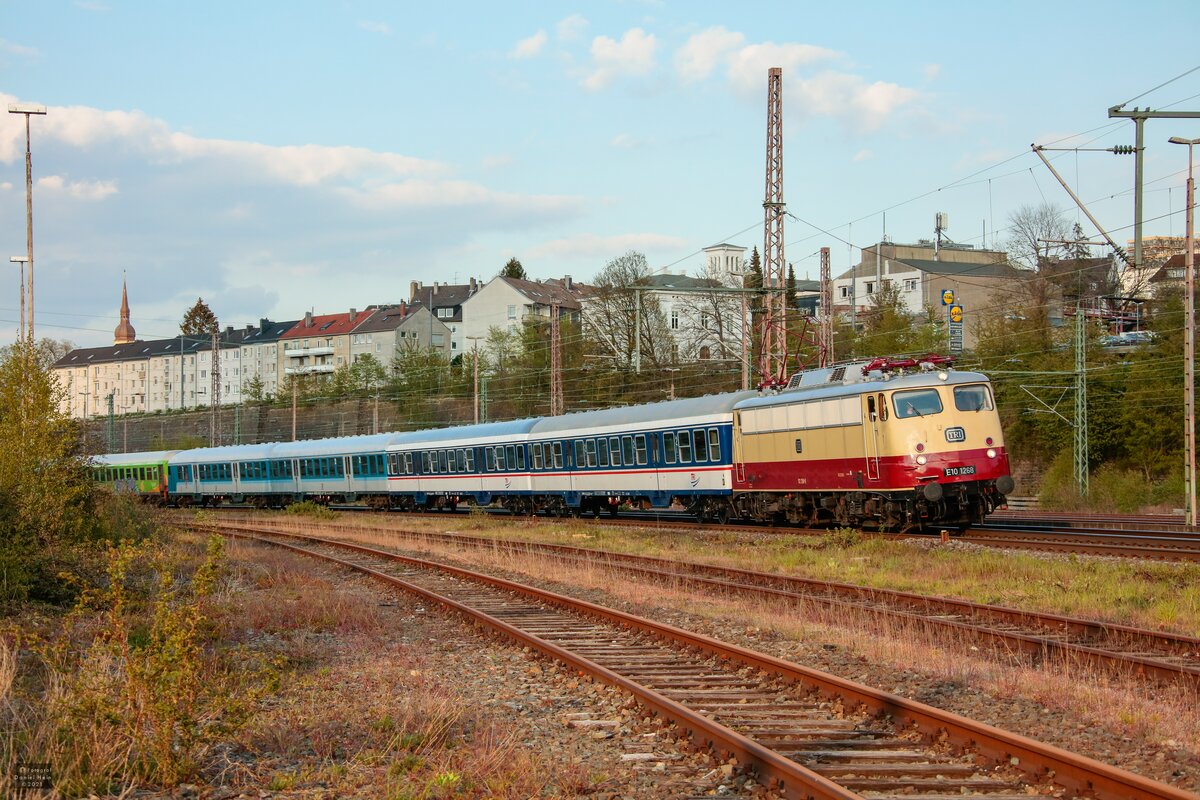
(435, 287)
(413, 286)
(353, 314)
(229, 330)
(308, 323)
(263, 323)
(474, 286)
(567, 284)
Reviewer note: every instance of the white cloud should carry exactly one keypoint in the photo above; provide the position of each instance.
(80, 190)
(626, 141)
(498, 160)
(6, 186)
(571, 28)
(748, 66)
(632, 55)
(529, 46)
(702, 52)
(376, 27)
(812, 88)
(863, 155)
(588, 245)
(14, 49)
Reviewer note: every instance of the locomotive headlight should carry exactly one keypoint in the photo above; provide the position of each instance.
(991, 453)
(921, 460)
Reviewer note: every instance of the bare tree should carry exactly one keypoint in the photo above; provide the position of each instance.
(1034, 233)
(712, 318)
(610, 317)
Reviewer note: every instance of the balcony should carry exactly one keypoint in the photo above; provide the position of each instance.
(309, 369)
(300, 352)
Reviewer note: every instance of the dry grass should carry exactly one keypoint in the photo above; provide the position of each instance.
(1172, 718)
(1156, 596)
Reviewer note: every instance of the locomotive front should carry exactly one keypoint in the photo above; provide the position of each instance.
(939, 436)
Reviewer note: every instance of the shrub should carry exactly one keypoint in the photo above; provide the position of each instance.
(308, 508)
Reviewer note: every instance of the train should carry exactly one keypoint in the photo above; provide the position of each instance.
(893, 444)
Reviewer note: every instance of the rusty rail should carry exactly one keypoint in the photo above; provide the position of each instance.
(1039, 761)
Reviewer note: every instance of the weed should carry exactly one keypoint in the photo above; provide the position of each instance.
(308, 508)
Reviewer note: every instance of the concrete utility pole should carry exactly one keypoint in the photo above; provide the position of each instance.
(774, 332)
(22, 260)
(1189, 339)
(28, 110)
(294, 379)
(1139, 117)
(475, 351)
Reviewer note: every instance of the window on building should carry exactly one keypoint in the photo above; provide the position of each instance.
(674, 320)
(512, 312)
(438, 339)
(910, 284)
(870, 287)
(445, 313)
(844, 291)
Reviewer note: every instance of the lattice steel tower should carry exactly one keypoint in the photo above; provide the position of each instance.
(825, 332)
(773, 365)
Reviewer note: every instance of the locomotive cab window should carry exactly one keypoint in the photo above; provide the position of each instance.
(972, 398)
(917, 403)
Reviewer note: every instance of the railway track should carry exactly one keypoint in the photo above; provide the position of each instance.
(1156, 656)
(1163, 543)
(805, 733)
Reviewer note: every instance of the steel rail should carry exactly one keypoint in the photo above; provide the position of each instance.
(1070, 770)
(928, 608)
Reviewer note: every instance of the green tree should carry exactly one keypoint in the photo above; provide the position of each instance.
(48, 501)
(513, 269)
(255, 390)
(199, 320)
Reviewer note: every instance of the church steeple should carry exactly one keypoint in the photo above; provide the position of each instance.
(124, 334)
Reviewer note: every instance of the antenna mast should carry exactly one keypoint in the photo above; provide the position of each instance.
(773, 364)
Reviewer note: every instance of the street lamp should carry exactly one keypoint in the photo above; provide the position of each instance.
(28, 110)
(1189, 339)
(21, 260)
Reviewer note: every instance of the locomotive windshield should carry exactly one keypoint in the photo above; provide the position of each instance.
(972, 398)
(917, 403)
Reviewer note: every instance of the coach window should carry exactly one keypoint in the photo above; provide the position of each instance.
(699, 446)
(490, 453)
(501, 461)
(521, 456)
(470, 459)
(917, 403)
(462, 461)
(558, 455)
(537, 455)
(580, 455)
(714, 444)
(510, 457)
(602, 452)
(640, 442)
(972, 398)
(627, 450)
(685, 448)
(447, 465)
(590, 446)
(670, 448)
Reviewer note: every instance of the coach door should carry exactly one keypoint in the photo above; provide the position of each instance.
(874, 408)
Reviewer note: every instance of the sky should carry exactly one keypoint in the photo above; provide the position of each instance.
(276, 157)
